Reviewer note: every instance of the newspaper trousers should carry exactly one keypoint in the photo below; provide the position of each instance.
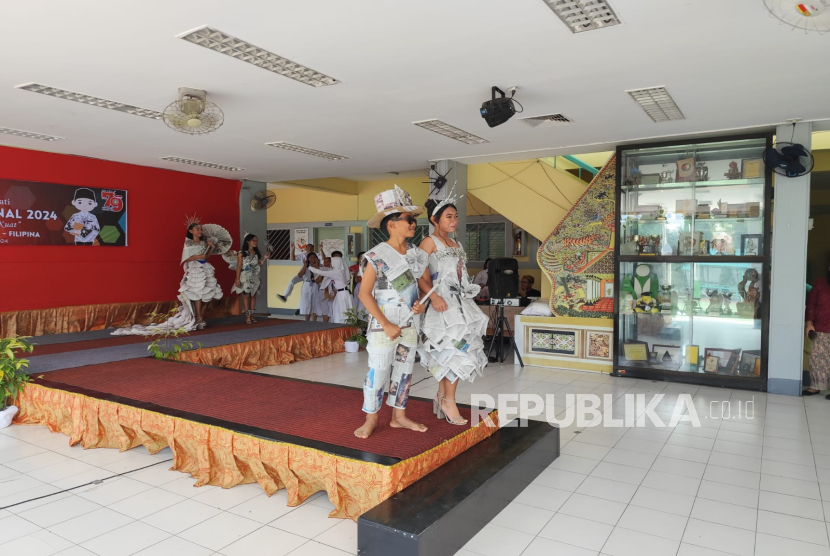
(389, 361)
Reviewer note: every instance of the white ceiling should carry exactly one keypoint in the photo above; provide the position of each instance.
(727, 64)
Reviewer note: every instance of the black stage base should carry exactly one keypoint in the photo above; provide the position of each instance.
(439, 514)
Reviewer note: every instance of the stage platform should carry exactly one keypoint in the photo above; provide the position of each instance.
(224, 343)
(227, 427)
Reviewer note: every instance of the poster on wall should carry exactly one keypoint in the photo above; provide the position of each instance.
(300, 239)
(33, 213)
(331, 245)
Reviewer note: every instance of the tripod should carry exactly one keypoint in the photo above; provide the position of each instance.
(501, 324)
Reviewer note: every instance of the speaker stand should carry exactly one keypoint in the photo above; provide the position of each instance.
(502, 324)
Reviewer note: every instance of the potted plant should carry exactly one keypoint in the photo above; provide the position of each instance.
(358, 319)
(13, 378)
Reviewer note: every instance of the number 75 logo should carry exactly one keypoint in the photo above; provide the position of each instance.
(113, 202)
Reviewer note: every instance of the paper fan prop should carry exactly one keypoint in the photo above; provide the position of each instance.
(220, 235)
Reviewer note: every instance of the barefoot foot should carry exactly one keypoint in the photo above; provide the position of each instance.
(369, 426)
(403, 422)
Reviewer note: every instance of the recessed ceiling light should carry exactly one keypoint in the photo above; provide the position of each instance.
(91, 100)
(224, 43)
(203, 164)
(657, 103)
(547, 121)
(306, 150)
(29, 134)
(447, 130)
(584, 15)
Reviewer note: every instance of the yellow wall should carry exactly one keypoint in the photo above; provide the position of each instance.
(278, 278)
(306, 205)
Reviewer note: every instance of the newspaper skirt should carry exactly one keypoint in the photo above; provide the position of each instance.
(199, 282)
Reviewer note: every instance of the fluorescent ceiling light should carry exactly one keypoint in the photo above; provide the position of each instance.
(584, 15)
(445, 129)
(91, 100)
(29, 134)
(550, 120)
(224, 43)
(657, 103)
(306, 150)
(203, 164)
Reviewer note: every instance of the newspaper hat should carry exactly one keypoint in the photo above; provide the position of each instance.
(392, 201)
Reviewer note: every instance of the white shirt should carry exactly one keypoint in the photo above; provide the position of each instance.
(481, 278)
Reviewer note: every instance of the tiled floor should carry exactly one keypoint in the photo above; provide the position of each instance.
(741, 486)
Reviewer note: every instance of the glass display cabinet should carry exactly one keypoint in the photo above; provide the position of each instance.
(692, 261)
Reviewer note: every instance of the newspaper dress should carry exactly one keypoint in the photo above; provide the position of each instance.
(199, 281)
(452, 346)
(249, 277)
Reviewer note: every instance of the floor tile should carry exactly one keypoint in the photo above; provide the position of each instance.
(180, 517)
(725, 514)
(266, 541)
(692, 550)
(574, 464)
(342, 536)
(789, 470)
(14, 527)
(584, 450)
(184, 486)
(732, 461)
(112, 491)
(307, 521)
(493, 540)
(543, 497)
(653, 522)
(729, 476)
(156, 476)
(663, 501)
(595, 509)
(562, 480)
(788, 456)
(791, 505)
(607, 489)
(791, 527)
(546, 547)
(624, 542)
(126, 540)
(598, 438)
(696, 442)
(312, 548)
(59, 511)
(526, 519)
(675, 466)
(62, 470)
(577, 531)
(731, 494)
(720, 537)
(88, 526)
(263, 508)
(226, 498)
(629, 458)
(671, 483)
(793, 487)
(770, 545)
(641, 446)
(146, 503)
(42, 543)
(622, 473)
(738, 449)
(174, 546)
(219, 531)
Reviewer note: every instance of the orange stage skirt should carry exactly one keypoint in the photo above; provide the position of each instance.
(250, 356)
(225, 458)
(80, 318)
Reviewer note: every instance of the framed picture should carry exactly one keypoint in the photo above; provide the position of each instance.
(752, 245)
(710, 364)
(635, 351)
(685, 170)
(692, 357)
(688, 243)
(727, 359)
(668, 354)
(750, 361)
(598, 345)
(686, 206)
(752, 168)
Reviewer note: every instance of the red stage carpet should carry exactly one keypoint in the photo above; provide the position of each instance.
(229, 427)
(48, 349)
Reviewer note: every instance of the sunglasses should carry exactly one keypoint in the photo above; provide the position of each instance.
(409, 219)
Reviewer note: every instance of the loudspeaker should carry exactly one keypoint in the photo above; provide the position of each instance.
(503, 278)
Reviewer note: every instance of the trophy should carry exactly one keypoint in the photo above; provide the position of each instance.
(664, 297)
(727, 300)
(715, 302)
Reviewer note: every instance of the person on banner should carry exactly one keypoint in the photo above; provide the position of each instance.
(389, 291)
(309, 304)
(453, 325)
(83, 225)
(299, 257)
(339, 273)
(199, 283)
(247, 264)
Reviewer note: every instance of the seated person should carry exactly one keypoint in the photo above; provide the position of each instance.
(526, 287)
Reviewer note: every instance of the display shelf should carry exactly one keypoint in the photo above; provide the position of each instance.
(706, 259)
(696, 184)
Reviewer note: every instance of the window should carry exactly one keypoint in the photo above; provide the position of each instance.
(379, 236)
(280, 242)
(485, 240)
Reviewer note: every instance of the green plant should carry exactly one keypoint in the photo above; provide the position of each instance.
(360, 320)
(13, 378)
(163, 345)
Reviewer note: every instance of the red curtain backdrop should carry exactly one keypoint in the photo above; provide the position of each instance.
(148, 269)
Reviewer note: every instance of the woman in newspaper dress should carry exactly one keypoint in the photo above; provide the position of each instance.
(389, 291)
(452, 346)
(247, 263)
(199, 283)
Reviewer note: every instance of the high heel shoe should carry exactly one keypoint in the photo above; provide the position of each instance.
(436, 405)
(460, 421)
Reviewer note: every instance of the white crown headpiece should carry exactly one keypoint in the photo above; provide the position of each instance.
(450, 199)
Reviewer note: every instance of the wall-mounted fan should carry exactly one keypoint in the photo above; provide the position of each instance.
(192, 113)
(263, 200)
(789, 159)
(813, 16)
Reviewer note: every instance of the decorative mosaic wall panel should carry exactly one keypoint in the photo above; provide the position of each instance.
(579, 254)
(558, 342)
(598, 345)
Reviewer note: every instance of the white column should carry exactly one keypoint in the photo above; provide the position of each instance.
(789, 273)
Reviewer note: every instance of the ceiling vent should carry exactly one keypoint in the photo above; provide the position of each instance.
(550, 120)
(447, 130)
(201, 163)
(29, 134)
(216, 40)
(91, 100)
(584, 15)
(306, 150)
(657, 103)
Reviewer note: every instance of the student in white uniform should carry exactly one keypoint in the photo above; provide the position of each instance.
(339, 273)
(300, 257)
